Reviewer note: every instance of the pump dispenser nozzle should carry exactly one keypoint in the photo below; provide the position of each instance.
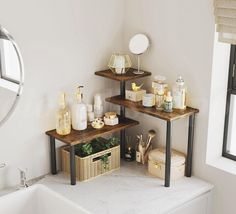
(79, 94)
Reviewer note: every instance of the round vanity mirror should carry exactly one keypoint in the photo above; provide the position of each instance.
(138, 45)
(11, 75)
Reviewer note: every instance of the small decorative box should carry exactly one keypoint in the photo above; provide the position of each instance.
(156, 164)
(135, 96)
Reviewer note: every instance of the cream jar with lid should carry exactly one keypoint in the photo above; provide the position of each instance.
(148, 100)
(111, 119)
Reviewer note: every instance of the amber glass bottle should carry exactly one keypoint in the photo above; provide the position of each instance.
(63, 117)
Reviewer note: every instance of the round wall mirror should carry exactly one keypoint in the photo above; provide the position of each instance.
(138, 45)
(11, 75)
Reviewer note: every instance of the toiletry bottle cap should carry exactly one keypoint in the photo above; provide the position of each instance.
(180, 81)
(159, 78)
(168, 97)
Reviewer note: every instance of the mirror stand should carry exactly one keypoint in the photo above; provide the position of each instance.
(138, 45)
(138, 71)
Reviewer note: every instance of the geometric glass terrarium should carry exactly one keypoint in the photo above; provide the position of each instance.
(119, 63)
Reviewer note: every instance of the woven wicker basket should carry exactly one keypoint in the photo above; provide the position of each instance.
(91, 166)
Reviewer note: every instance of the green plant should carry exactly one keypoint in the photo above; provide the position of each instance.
(87, 149)
(96, 145)
(113, 141)
(105, 162)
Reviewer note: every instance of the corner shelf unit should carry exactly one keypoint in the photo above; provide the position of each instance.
(168, 117)
(137, 106)
(77, 137)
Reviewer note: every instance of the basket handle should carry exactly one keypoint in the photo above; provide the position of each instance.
(100, 156)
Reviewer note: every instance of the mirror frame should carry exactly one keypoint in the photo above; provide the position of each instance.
(8, 36)
(132, 39)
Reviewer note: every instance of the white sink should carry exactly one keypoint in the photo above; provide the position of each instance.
(38, 199)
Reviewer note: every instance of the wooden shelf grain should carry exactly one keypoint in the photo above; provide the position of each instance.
(175, 115)
(124, 77)
(77, 137)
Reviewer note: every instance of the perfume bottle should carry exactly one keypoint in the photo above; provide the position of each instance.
(79, 112)
(160, 99)
(168, 104)
(179, 94)
(159, 85)
(63, 117)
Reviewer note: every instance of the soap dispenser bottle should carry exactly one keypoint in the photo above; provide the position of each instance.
(63, 117)
(79, 112)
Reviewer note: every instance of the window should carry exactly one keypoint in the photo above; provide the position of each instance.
(9, 62)
(229, 144)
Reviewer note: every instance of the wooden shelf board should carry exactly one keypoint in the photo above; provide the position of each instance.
(125, 77)
(137, 106)
(76, 137)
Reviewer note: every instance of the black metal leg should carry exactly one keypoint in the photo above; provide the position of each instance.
(122, 144)
(72, 166)
(168, 154)
(53, 156)
(122, 89)
(188, 169)
(122, 115)
(122, 134)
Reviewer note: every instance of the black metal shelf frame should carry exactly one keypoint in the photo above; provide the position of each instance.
(188, 169)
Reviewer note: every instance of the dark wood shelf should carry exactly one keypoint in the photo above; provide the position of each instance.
(175, 115)
(124, 77)
(77, 137)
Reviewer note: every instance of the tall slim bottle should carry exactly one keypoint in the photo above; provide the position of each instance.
(179, 94)
(63, 117)
(79, 112)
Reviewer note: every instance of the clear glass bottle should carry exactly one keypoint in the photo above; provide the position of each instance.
(179, 94)
(63, 117)
(158, 85)
(79, 111)
(160, 99)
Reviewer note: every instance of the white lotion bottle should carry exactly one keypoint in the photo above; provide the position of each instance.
(79, 112)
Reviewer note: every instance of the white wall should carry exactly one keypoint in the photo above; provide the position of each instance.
(9, 98)
(182, 38)
(63, 42)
